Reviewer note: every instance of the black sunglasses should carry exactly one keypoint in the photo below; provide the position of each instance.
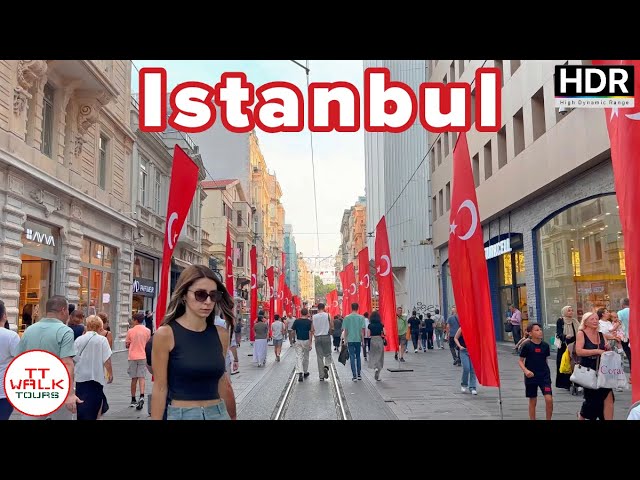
(201, 295)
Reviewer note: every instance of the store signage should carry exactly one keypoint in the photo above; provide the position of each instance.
(497, 249)
(144, 287)
(39, 237)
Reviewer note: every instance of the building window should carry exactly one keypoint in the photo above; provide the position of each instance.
(434, 206)
(499, 65)
(488, 161)
(441, 202)
(240, 254)
(502, 147)
(97, 280)
(144, 181)
(515, 65)
(476, 169)
(518, 133)
(448, 196)
(460, 68)
(587, 272)
(537, 113)
(452, 72)
(158, 191)
(46, 145)
(102, 162)
(432, 159)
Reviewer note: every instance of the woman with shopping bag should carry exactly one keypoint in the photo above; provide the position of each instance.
(590, 345)
(566, 329)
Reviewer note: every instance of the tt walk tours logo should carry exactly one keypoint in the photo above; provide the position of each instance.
(37, 383)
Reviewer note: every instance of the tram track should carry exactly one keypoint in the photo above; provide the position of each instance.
(293, 386)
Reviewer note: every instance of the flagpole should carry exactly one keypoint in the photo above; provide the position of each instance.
(500, 402)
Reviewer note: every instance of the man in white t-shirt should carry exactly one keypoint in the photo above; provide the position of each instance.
(634, 412)
(277, 333)
(292, 332)
(9, 341)
(321, 330)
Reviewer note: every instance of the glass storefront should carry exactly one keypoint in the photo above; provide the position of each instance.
(512, 284)
(97, 279)
(581, 260)
(39, 257)
(144, 283)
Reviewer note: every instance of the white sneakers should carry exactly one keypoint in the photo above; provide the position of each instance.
(472, 390)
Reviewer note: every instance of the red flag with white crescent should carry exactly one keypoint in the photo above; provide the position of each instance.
(469, 277)
(272, 296)
(364, 282)
(254, 292)
(229, 263)
(345, 293)
(624, 134)
(352, 288)
(184, 182)
(386, 289)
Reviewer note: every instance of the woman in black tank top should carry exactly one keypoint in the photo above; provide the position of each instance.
(590, 344)
(189, 349)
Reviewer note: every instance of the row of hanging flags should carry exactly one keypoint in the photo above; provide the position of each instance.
(469, 276)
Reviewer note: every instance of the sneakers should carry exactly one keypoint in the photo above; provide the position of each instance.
(464, 389)
(300, 379)
(376, 374)
(474, 391)
(402, 360)
(354, 379)
(415, 351)
(133, 404)
(306, 374)
(359, 377)
(140, 404)
(326, 372)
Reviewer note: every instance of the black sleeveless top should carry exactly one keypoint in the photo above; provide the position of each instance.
(196, 364)
(592, 362)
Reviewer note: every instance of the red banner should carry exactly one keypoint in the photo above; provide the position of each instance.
(272, 295)
(288, 308)
(386, 289)
(624, 134)
(280, 295)
(297, 305)
(184, 182)
(352, 288)
(345, 293)
(332, 303)
(254, 292)
(364, 283)
(229, 263)
(469, 277)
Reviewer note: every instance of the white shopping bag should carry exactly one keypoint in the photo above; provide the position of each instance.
(610, 371)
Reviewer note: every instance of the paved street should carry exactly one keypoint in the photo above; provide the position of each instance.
(431, 391)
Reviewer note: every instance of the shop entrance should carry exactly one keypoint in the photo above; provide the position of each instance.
(513, 289)
(35, 289)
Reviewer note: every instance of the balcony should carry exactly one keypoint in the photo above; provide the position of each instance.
(87, 75)
(205, 241)
(189, 237)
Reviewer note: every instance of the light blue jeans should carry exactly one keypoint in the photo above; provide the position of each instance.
(214, 412)
(468, 374)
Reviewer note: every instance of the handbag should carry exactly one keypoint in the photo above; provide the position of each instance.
(586, 377)
(508, 327)
(344, 354)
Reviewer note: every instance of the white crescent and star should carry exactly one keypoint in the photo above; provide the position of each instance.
(388, 267)
(171, 238)
(368, 281)
(469, 205)
(254, 281)
(355, 289)
(335, 303)
(230, 275)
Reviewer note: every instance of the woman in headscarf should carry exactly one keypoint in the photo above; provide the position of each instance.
(566, 329)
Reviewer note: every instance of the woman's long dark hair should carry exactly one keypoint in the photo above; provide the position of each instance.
(375, 317)
(188, 277)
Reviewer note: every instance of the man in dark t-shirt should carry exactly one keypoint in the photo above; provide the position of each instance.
(304, 336)
(428, 331)
(414, 325)
(533, 362)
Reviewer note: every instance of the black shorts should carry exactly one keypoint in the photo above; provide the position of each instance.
(531, 389)
(593, 404)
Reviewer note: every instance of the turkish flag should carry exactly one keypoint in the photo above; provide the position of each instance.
(364, 288)
(386, 289)
(287, 301)
(345, 292)
(229, 264)
(254, 292)
(184, 182)
(352, 286)
(332, 300)
(468, 265)
(297, 305)
(271, 277)
(280, 294)
(624, 135)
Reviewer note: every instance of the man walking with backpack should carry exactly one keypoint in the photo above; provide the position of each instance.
(438, 323)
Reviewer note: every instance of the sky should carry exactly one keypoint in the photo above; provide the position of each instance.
(338, 157)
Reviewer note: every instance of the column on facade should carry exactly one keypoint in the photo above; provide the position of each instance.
(71, 254)
(125, 273)
(11, 227)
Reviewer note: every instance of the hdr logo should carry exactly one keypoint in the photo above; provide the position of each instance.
(591, 86)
